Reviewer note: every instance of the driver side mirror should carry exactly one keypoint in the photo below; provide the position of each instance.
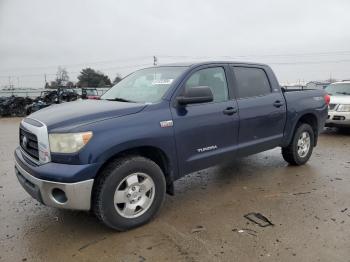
(196, 95)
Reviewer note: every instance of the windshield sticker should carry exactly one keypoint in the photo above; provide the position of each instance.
(162, 81)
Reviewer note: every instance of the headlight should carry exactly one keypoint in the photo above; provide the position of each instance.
(343, 108)
(68, 142)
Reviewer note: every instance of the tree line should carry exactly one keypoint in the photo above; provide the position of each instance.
(88, 77)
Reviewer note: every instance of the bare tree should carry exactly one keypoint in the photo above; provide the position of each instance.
(62, 77)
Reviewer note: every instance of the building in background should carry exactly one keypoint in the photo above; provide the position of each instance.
(318, 84)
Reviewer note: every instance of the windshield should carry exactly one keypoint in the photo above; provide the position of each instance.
(144, 86)
(338, 89)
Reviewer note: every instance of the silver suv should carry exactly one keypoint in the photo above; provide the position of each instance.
(339, 107)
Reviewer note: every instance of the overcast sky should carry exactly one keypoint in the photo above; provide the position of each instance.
(300, 39)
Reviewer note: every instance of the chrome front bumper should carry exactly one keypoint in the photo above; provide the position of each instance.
(62, 195)
(336, 118)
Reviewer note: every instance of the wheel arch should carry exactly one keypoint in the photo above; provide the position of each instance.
(310, 119)
(153, 153)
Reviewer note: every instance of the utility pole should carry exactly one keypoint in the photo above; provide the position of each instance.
(155, 60)
(10, 84)
(45, 81)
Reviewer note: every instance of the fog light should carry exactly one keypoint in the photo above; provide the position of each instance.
(59, 195)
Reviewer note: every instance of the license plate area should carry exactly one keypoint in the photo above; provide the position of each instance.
(32, 189)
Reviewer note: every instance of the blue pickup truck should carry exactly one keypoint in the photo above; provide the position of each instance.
(120, 155)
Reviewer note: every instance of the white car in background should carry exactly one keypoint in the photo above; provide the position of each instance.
(339, 106)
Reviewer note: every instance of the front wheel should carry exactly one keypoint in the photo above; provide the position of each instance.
(129, 192)
(300, 149)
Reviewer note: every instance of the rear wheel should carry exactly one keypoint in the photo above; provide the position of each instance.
(129, 192)
(299, 151)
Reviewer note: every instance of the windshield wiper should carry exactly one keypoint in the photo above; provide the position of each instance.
(343, 93)
(120, 100)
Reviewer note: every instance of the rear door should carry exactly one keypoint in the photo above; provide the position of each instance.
(206, 133)
(262, 110)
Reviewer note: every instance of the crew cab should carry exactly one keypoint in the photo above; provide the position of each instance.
(339, 107)
(118, 156)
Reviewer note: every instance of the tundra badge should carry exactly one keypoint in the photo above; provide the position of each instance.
(201, 150)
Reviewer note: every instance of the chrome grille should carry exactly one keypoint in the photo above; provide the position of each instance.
(29, 143)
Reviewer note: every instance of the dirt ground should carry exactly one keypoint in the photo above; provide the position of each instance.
(309, 207)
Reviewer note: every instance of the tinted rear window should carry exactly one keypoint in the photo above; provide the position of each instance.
(251, 82)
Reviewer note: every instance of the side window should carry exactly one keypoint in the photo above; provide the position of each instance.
(251, 82)
(214, 78)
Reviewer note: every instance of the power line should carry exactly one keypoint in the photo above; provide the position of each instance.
(312, 62)
(281, 63)
(155, 60)
(141, 58)
(262, 55)
(203, 57)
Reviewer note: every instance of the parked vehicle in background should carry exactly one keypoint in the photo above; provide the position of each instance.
(118, 156)
(45, 99)
(89, 93)
(66, 95)
(339, 107)
(14, 106)
(48, 98)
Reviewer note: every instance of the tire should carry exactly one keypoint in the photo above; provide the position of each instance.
(119, 176)
(294, 153)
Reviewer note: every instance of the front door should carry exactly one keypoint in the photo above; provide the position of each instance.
(206, 133)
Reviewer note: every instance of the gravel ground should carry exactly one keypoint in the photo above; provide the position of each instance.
(309, 207)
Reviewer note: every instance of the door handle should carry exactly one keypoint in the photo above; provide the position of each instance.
(277, 104)
(230, 111)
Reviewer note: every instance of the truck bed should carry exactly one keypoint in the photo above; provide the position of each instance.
(301, 102)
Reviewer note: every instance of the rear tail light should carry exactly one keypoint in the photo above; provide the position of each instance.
(327, 99)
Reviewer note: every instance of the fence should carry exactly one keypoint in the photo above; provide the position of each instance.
(33, 93)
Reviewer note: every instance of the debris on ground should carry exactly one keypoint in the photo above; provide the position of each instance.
(301, 193)
(91, 243)
(343, 210)
(198, 229)
(258, 219)
(246, 230)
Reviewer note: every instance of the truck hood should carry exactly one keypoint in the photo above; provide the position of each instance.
(72, 114)
(342, 99)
